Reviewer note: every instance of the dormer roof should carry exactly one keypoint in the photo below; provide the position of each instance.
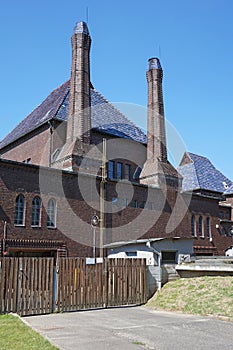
(200, 174)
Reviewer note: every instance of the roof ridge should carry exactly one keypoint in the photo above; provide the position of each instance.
(6, 143)
(195, 167)
(67, 82)
(198, 155)
(65, 94)
(51, 93)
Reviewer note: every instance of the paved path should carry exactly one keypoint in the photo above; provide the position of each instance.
(133, 328)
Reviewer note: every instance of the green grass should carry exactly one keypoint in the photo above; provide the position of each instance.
(201, 295)
(138, 343)
(15, 335)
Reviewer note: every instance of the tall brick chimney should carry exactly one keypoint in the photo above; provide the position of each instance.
(79, 115)
(156, 134)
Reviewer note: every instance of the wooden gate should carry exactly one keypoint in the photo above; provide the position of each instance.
(114, 282)
(80, 286)
(126, 282)
(33, 286)
(26, 285)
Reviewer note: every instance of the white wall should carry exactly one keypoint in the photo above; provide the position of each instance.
(127, 251)
(140, 250)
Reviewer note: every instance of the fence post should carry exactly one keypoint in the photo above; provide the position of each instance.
(1, 286)
(106, 280)
(19, 302)
(55, 288)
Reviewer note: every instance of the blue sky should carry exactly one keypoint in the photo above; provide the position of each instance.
(192, 38)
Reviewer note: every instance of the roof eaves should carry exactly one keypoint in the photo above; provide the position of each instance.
(119, 112)
(106, 132)
(143, 241)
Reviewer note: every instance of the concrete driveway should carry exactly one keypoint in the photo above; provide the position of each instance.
(133, 328)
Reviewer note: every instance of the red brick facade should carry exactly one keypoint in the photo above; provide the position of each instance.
(24, 179)
(74, 232)
(32, 148)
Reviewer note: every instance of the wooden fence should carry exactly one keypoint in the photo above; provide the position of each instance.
(32, 286)
(26, 285)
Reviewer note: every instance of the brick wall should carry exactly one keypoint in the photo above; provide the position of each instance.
(207, 207)
(77, 200)
(20, 178)
(33, 146)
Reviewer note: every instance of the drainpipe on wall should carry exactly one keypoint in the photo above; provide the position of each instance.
(159, 263)
(102, 198)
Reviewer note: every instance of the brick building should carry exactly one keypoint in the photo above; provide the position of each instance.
(52, 174)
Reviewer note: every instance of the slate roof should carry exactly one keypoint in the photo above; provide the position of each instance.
(200, 174)
(105, 117)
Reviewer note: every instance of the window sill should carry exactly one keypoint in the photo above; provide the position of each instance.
(35, 226)
(19, 225)
(51, 227)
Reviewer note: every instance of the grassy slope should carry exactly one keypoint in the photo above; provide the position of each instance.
(14, 334)
(201, 295)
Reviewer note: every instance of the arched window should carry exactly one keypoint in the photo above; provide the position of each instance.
(200, 226)
(51, 218)
(19, 210)
(193, 226)
(36, 211)
(208, 232)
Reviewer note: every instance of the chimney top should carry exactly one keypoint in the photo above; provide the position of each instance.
(154, 63)
(81, 28)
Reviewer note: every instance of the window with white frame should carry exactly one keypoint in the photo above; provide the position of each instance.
(51, 217)
(36, 211)
(19, 210)
(200, 226)
(208, 229)
(193, 226)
